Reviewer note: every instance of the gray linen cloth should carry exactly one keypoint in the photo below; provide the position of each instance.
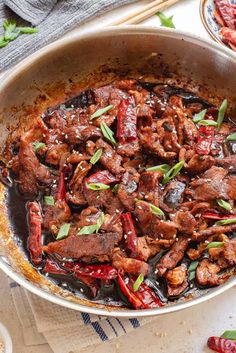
(53, 18)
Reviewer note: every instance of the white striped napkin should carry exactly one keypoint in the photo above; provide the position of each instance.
(65, 330)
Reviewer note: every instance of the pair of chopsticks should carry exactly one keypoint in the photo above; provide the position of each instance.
(145, 12)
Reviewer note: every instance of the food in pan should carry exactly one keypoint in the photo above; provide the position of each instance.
(125, 193)
(225, 15)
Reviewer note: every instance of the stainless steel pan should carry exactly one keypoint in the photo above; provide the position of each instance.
(62, 69)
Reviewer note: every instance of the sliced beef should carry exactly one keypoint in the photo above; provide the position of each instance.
(31, 172)
(151, 225)
(205, 233)
(228, 163)
(148, 187)
(199, 164)
(109, 159)
(173, 194)
(76, 195)
(185, 222)
(77, 134)
(55, 153)
(55, 216)
(77, 247)
(128, 188)
(206, 273)
(172, 257)
(177, 280)
(109, 95)
(128, 265)
(128, 149)
(167, 134)
(147, 248)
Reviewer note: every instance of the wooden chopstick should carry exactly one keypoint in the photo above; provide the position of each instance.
(145, 12)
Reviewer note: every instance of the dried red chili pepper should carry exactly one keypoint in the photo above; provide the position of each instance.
(221, 345)
(146, 295)
(217, 216)
(90, 282)
(96, 271)
(130, 235)
(61, 193)
(226, 12)
(104, 176)
(204, 139)
(52, 267)
(127, 121)
(135, 301)
(35, 232)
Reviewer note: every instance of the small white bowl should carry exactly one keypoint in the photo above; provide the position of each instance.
(6, 338)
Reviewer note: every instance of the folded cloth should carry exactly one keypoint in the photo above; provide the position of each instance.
(53, 19)
(63, 329)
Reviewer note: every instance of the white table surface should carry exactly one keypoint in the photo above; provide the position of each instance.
(181, 332)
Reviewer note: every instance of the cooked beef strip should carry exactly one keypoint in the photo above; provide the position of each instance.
(206, 273)
(176, 280)
(148, 186)
(128, 265)
(173, 194)
(128, 188)
(109, 158)
(55, 216)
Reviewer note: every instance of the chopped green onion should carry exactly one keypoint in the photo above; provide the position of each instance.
(97, 186)
(108, 133)
(49, 200)
(215, 244)
(225, 221)
(27, 30)
(94, 227)
(231, 137)
(192, 275)
(96, 156)
(138, 282)
(193, 266)
(115, 189)
(63, 231)
(230, 335)
(224, 204)
(155, 210)
(162, 167)
(165, 21)
(199, 116)
(100, 112)
(37, 145)
(3, 42)
(221, 113)
(173, 172)
(208, 123)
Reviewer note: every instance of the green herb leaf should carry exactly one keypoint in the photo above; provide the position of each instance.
(94, 228)
(49, 200)
(231, 137)
(193, 266)
(100, 112)
(173, 172)
(230, 335)
(208, 123)
(37, 145)
(225, 221)
(138, 282)
(192, 275)
(155, 210)
(63, 231)
(165, 21)
(221, 113)
(97, 186)
(108, 133)
(162, 167)
(215, 244)
(115, 189)
(27, 30)
(3, 42)
(96, 156)
(199, 116)
(11, 32)
(224, 204)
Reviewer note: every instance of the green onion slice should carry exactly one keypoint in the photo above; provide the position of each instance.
(230, 335)
(95, 158)
(215, 244)
(199, 116)
(108, 133)
(224, 204)
(165, 21)
(162, 167)
(100, 112)
(49, 200)
(138, 282)
(155, 210)
(208, 123)
(172, 172)
(115, 188)
(94, 228)
(193, 266)
(63, 231)
(97, 186)
(192, 275)
(37, 145)
(231, 137)
(223, 222)
(221, 113)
